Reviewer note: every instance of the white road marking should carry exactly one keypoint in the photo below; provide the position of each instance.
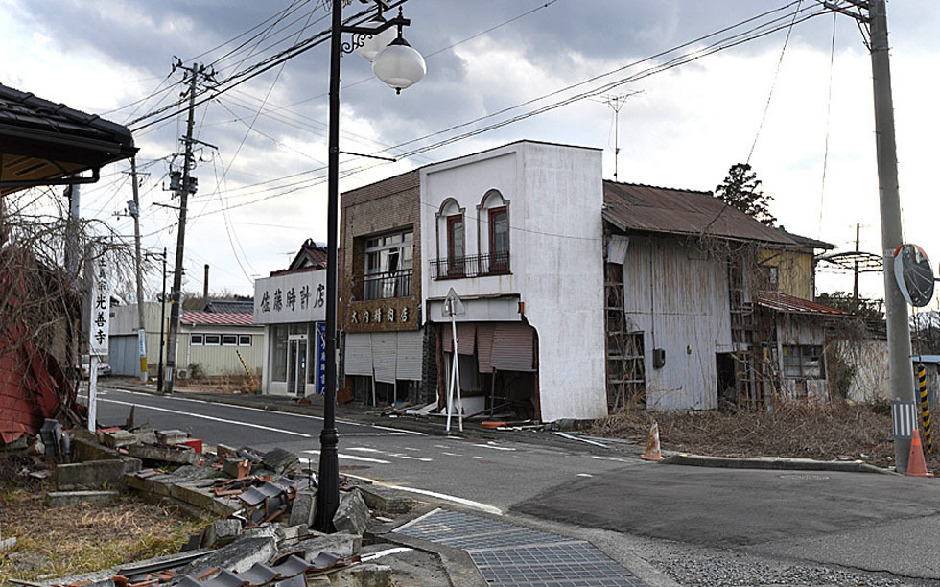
(251, 409)
(584, 475)
(352, 458)
(442, 496)
(494, 446)
(389, 454)
(450, 454)
(212, 418)
(380, 554)
(401, 430)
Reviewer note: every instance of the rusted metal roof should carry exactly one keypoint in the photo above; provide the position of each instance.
(781, 302)
(635, 207)
(217, 319)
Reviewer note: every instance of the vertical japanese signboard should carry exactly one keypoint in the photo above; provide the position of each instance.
(321, 357)
(99, 315)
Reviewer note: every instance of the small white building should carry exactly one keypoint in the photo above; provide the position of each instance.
(291, 305)
(516, 233)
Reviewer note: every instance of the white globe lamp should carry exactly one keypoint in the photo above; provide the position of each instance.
(372, 45)
(399, 65)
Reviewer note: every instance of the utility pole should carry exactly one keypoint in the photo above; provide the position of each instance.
(134, 211)
(900, 371)
(184, 188)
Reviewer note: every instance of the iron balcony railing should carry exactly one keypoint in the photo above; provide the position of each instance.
(388, 284)
(470, 266)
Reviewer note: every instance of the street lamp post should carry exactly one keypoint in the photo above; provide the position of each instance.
(399, 66)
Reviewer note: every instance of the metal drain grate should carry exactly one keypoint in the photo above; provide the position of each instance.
(511, 555)
(513, 537)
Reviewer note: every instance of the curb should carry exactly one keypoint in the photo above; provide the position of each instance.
(775, 463)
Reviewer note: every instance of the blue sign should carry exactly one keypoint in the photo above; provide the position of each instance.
(321, 357)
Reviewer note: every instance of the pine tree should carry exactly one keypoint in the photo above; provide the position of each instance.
(741, 189)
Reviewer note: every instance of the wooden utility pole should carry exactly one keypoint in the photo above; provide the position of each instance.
(186, 186)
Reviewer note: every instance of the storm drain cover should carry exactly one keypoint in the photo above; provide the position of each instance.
(510, 555)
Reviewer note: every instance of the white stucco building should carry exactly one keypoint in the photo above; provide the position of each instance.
(292, 306)
(516, 233)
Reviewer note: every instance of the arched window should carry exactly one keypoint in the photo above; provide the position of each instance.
(451, 240)
(495, 214)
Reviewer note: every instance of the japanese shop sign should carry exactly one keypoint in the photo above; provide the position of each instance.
(321, 357)
(291, 297)
(99, 306)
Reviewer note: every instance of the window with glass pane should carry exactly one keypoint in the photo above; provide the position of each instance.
(195, 340)
(803, 362)
(230, 340)
(455, 245)
(388, 266)
(244, 340)
(213, 339)
(279, 353)
(499, 240)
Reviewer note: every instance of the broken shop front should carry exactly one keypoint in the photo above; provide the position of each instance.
(497, 356)
(292, 307)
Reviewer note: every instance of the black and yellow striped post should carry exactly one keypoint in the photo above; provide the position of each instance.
(924, 407)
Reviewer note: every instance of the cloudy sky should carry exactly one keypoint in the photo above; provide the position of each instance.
(795, 102)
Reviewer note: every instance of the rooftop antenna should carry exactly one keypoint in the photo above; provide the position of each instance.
(616, 102)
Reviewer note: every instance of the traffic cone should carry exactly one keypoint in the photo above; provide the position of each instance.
(653, 450)
(916, 466)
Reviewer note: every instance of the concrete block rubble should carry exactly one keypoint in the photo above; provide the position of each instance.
(265, 502)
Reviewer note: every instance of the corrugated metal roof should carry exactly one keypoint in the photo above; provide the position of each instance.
(230, 306)
(781, 302)
(672, 211)
(217, 319)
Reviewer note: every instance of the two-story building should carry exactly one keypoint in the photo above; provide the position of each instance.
(515, 232)
(577, 295)
(291, 305)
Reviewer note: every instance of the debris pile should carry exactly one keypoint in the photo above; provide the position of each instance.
(265, 502)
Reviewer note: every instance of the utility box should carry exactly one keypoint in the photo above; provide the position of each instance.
(659, 358)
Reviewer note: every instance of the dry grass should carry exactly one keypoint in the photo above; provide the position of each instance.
(68, 540)
(830, 431)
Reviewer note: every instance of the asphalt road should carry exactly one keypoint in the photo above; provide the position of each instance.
(880, 523)
(706, 525)
(489, 475)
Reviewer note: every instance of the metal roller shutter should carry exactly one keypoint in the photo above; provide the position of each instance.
(410, 352)
(512, 347)
(357, 358)
(466, 338)
(485, 347)
(384, 351)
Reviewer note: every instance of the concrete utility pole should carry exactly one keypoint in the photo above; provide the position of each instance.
(134, 211)
(903, 406)
(183, 190)
(900, 370)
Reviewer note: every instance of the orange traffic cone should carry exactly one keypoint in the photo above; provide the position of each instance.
(916, 466)
(653, 450)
